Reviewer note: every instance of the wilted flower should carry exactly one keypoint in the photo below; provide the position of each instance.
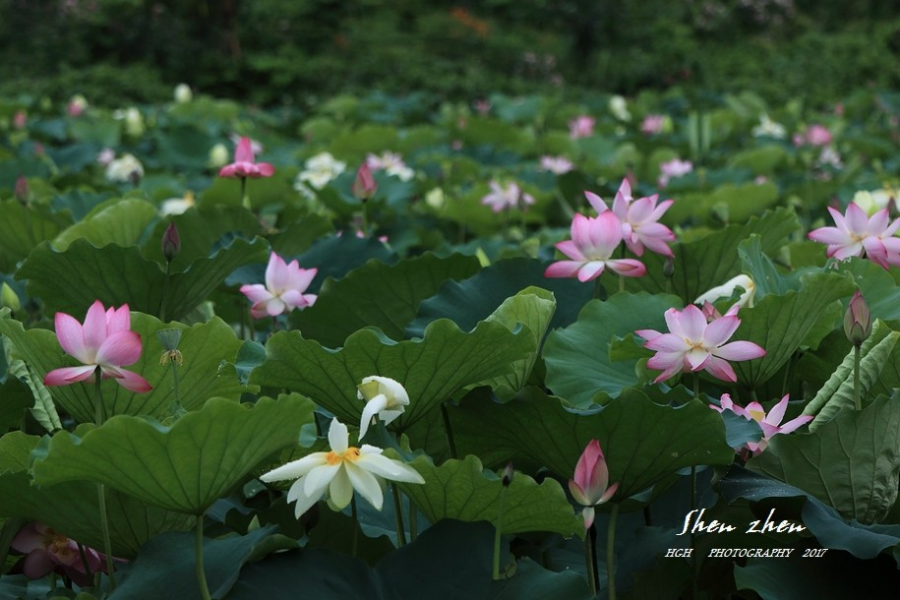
(769, 128)
(673, 169)
(769, 423)
(693, 344)
(581, 126)
(319, 170)
(510, 196)
(639, 218)
(105, 341)
(385, 399)
(857, 320)
(47, 551)
(125, 169)
(857, 234)
(183, 93)
(728, 288)
(590, 487)
(594, 240)
(556, 164)
(245, 164)
(283, 291)
(392, 164)
(338, 472)
(619, 108)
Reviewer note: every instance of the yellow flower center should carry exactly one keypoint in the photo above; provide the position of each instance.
(757, 415)
(351, 454)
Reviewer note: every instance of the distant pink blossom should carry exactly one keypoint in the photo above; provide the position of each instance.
(673, 169)
(639, 218)
(815, 135)
(20, 120)
(653, 124)
(283, 291)
(556, 164)
(581, 127)
(106, 156)
(594, 240)
(694, 345)
(509, 196)
(482, 106)
(245, 164)
(769, 423)
(857, 234)
(104, 342)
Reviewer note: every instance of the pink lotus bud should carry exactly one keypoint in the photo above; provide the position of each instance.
(857, 320)
(171, 242)
(364, 187)
(591, 487)
(23, 193)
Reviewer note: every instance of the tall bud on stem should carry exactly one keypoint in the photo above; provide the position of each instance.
(857, 327)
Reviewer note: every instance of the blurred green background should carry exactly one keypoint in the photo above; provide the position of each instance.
(293, 51)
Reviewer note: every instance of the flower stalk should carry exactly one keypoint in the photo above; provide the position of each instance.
(101, 490)
(610, 550)
(198, 553)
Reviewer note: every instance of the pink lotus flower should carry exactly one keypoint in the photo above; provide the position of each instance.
(694, 345)
(640, 226)
(105, 341)
(857, 234)
(581, 127)
(283, 292)
(653, 124)
(510, 196)
(815, 135)
(591, 487)
(47, 550)
(673, 169)
(556, 164)
(770, 423)
(593, 242)
(245, 164)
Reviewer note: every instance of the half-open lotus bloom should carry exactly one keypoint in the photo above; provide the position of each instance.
(385, 399)
(769, 423)
(594, 240)
(640, 220)
(857, 234)
(245, 164)
(47, 550)
(694, 345)
(105, 341)
(338, 472)
(727, 289)
(283, 291)
(591, 487)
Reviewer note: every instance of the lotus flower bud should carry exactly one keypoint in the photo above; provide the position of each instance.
(508, 474)
(23, 193)
(171, 242)
(669, 267)
(364, 187)
(9, 298)
(183, 93)
(857, 320)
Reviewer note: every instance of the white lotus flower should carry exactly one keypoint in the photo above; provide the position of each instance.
(338, 472)
(727, 289)
(122, 169)
(183, 93)
(319, 170)
(385, 400)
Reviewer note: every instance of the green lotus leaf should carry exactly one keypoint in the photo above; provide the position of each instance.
(185, 467)
(72, 508)
(379, 295)
(460, 489)
(431, 369)
(203, 347)
(118, 221)
(644, 442)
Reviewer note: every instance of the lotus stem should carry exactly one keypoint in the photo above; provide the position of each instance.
(398, 515)
(497, 535)
(590, 563)
(610, 550)
(101, 489)
(198, 551)
(354, 545)
(857, 401)
(448, 430)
